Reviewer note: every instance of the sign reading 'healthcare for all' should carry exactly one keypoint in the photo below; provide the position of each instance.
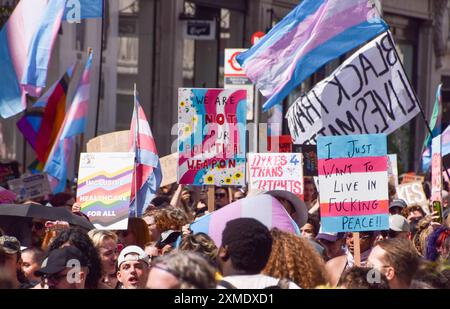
(353, 183)
(104, 188)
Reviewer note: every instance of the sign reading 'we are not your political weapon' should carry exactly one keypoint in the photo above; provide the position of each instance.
(353, 182)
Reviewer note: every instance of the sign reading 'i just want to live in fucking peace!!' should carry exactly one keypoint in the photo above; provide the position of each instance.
(353, 182)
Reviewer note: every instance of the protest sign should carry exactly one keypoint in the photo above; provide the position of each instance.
(411, 177)
(353, 183)
(436, 169)
(30, 187)
(104, 187)
(281, 143)
(169, 169)
(6, 196)
(369, 93)
(235, 78)
(211, 136)
(8, 171)
(111, 142)
(412, 193)
(393, 170)
(276, 171)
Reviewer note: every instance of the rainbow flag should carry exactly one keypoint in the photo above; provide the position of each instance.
(74, 123)
(148, 170)
(314, 33)
(42, 122)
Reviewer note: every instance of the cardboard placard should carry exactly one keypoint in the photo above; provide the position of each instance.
(111, 142)
(169, 169)
(30, 187)
(353, 183)
(211, 136)
(412, 193)
(276, 171)
(104, 188)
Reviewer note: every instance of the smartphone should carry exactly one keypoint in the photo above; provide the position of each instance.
(437, 207)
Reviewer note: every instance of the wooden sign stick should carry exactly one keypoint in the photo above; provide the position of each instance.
(211, 199)
(356, 249)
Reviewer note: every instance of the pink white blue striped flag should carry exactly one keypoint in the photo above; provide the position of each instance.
(74, 124)
(263, 207)
(148, 170)
(314, 33)
(15, 41)
(35, 74)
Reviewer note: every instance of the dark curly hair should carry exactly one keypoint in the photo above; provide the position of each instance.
(249, 244)
(79, 239)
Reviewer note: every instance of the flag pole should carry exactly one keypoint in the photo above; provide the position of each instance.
(422, 112)
(102, 43)
(136, 130)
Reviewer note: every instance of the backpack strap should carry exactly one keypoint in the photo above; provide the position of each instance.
(283, 283)
(226, 285)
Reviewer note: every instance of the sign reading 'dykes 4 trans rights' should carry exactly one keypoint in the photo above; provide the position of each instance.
(353, 181)
(211, 136)
(104, 187)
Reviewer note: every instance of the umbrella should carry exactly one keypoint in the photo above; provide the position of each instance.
(263, 207)
(45, 212)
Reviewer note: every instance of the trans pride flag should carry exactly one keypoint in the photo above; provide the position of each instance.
(26, 43)
(74, 124)
(263, 207)
(314, 33)
(148, 169)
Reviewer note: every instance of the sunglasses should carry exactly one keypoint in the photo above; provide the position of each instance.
(220, 195)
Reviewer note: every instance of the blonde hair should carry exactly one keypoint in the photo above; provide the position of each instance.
(293, 258)
(98, 236)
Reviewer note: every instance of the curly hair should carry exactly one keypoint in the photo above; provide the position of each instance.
(170, 218)
(79, 239)
(424, 229)
(200, 243)
(191, 270)
(295, 259)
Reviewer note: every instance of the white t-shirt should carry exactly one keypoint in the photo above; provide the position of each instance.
(258, 281)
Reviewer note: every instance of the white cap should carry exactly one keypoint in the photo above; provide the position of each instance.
(132, 253)
(398, 223)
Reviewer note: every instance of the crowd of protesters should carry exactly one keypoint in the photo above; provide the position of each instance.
(160, 251)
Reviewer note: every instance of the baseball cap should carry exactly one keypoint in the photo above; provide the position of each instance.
(398, 203)
(10, 244)
(59, 259)
(332, 237)
(132, 253)
(398, 223)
